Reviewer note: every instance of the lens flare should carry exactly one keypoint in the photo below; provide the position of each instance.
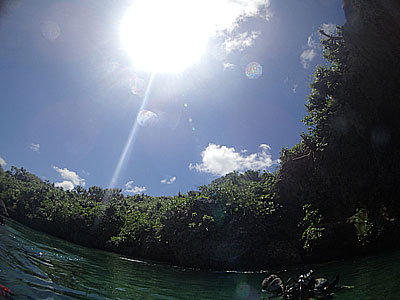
(146, 118)
(50, 30)
(253, 70)
(138, 86)
(243, 290)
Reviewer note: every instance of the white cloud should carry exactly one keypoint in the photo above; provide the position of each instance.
(311, 43)
(71, 178)
(250, 8)
(2, 162)
(129, 188)
(309, 54)
(313, 46)
(225, 15)
(170, 180)
(329, 28)
(294, 89)
(228, 66)
(66, 185)
(220, 160)
(240, 41)
(35, 147)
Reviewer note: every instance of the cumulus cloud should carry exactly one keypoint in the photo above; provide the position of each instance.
(251, 8)
(130, 188)
(169, 180)
(2, 162)
(240, 41)
(313, 47)
(223, 17)
(71, 179)
(65, 185)
(35, 147)
(220, 160)
(307, 56)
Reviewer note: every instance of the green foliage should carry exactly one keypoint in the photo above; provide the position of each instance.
(313, 230)
(363, 225)
(105, 218)
(136, 223)
(244, 194)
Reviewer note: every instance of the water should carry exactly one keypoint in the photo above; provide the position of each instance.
(37, 266)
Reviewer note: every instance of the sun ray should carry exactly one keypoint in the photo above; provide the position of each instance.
(132, 136)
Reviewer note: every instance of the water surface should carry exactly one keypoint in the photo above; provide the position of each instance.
(38, 266)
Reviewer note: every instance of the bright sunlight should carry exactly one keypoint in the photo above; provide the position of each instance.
(171, 35)
(164, 36)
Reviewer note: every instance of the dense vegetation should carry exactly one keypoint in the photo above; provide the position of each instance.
(335, 193)
(232, 217)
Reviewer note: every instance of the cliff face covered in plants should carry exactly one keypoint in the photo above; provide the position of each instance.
(335, 194)
(346, 167)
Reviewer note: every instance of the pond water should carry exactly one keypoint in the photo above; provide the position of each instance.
(38, 266)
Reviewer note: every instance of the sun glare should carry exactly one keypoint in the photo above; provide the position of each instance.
(164, 36)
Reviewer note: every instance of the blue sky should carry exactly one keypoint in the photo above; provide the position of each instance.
(72, 92)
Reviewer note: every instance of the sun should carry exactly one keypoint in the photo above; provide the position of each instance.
(165, 36)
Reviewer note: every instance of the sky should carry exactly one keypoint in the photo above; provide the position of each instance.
(155, 97)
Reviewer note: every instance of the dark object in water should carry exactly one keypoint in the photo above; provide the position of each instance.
(272, 284)
(322, 287)
(305, 287)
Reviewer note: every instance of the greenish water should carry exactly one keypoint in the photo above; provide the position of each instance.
(38, 266)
